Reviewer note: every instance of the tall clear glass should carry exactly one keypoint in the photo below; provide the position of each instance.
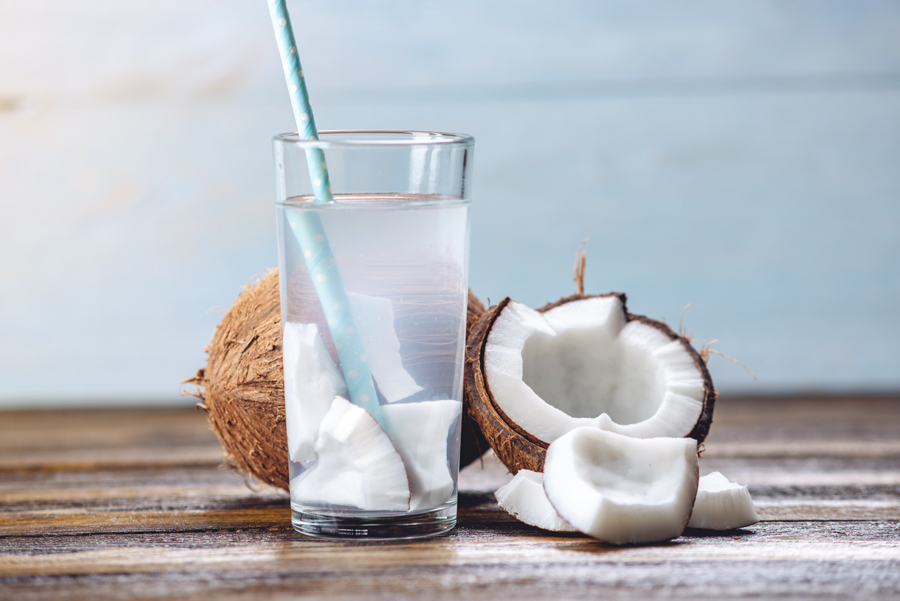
(394, 249)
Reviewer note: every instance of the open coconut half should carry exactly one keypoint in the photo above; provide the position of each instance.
(620, 489)
(533, 376)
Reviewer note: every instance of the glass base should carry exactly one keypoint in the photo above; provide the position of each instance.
(320, 523)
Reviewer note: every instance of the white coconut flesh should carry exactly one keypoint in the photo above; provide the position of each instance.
(722, 505)
(621, 489)
(311, 381)
(420, 432)
(357, 464)
(374, 318)
(524, 498)
(583, 364)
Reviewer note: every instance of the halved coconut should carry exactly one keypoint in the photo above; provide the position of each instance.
(621, 489)
(722, 505)
(357, 464)
(420, 432)
(582, 361)
(524, 498)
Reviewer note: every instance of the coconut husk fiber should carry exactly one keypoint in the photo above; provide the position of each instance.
(242, 386)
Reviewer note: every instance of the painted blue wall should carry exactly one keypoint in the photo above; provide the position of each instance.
(740, 157)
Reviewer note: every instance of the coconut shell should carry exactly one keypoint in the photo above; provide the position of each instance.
(242, 386)
(515, 447)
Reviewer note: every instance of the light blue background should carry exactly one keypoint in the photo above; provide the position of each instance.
(742, 157)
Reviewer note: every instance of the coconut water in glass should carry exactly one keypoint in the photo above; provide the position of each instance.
(397, 247)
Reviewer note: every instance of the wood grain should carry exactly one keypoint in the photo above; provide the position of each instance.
(824, 474)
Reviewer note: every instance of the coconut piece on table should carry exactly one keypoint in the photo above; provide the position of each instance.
(420, 432)
(524, 498)
(722, 505)
(583, 361)
(357, 465)
(311, 381)
(621, 489)
(375, 320)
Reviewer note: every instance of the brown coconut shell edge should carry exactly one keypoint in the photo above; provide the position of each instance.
(518, 449)
(242, 386)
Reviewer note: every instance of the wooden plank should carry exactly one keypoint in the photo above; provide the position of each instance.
(62, 440)
(187, 492)
(805, 420)
(827, 510)
(511, 549)
(210, 512)
(470, 529)
(479, 563)
(135, 457)
(64, 429)
(88, 522)
(802, 448)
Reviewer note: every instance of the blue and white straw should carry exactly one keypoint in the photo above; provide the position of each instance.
(310, 233)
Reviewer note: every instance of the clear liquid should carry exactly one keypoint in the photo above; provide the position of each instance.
(403, 262)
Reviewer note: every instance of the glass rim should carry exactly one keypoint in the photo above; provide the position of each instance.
(414, 138)
(396, 201)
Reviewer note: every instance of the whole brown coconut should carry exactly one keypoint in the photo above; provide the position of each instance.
(242, 386)
(514, 446)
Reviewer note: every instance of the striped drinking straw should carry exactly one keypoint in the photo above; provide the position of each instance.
(310, 233)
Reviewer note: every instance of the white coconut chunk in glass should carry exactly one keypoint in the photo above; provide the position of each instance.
(583, 364)
(311, 381)
(524, 498)
(375, 320)
(420, 432)
(621, 489)
(357, 465)
(722, 505)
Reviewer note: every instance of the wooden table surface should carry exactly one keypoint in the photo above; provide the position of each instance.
(134, 504)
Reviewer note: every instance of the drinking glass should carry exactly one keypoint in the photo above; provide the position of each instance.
(391, 251)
